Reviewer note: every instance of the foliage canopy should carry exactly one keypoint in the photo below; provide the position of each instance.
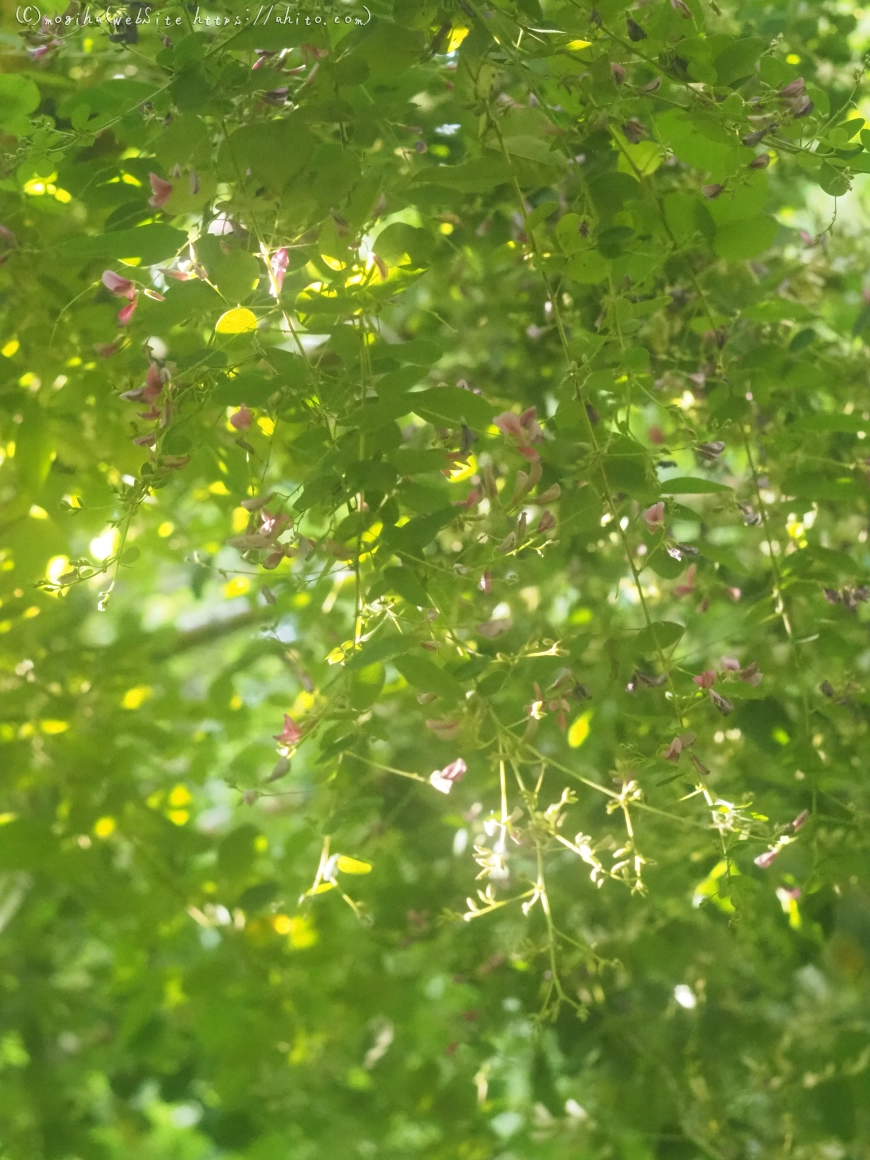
(433, 639)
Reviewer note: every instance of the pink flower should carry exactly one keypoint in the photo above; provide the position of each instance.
(509, 424)
(673, 751)
(485, 582)
(546, 522)
(280, 262)
(524, 429)
(126, 313)
(655, 435)
(688, 586)
(800, 820)
(242, 419)
(706, 679)
(178, 275)
(471, 500)
(162, 191)
(270, 529)
(443, 779)
(655, 517)
(767, 858)
(153, 381)
(120, 287)
(751, 675)
(291, 734)
(732, 664)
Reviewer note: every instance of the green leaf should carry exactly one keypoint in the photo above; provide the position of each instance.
(471, 177)
(658, 636)
(404, 245)
(453, 405)
(423, 673)
(737, 61)
(19, 97)
(587, 268)
(250, 387)
(382, 648)
(405, 583)
(149, 243)
(366, 683)
(691, 485)
(740, 240)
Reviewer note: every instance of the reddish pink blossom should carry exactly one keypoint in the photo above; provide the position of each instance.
(280, 262)
(706, 679)
(120, 287)
(688, 585)
(655, 435)
(270, 529)
(509, 424)
(444, 779)
(801, 820)
(242, 419)
(154, 379)
(524, 429)
(767, 858)
(291, 733)
(126, 313)
(162, 191)
(655, 517)
(471, 500)
(178, 275)
(673, 751)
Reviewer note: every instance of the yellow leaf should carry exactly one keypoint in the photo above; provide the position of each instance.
(321, 889)
(237, 321)
(708, 888)
(52, 727)
(103, 827)
(180, 796)
(457, 36)
(237, 587)
(353, 865)
(464, 471)
(134, 697)
(579, 731)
